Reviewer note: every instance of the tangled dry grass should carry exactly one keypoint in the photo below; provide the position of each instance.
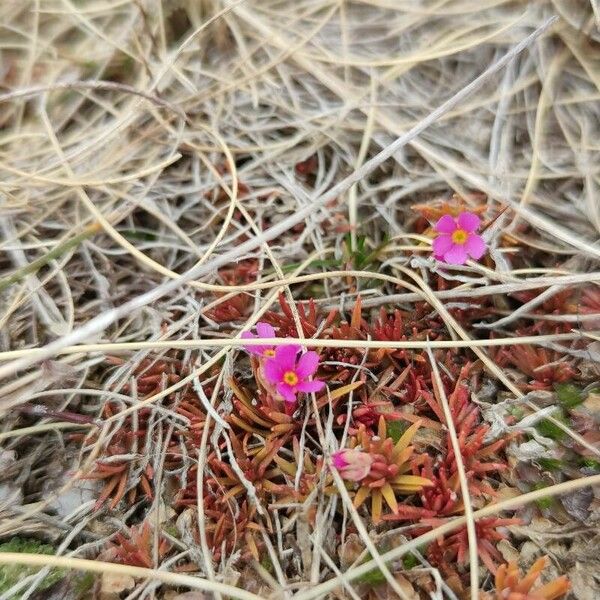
(173, 172)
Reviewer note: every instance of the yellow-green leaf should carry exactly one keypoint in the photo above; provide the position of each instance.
(406, 438)
(390, 497)
(376, 505)
(346, 389)
(361, 496)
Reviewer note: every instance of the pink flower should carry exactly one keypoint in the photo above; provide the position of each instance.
(353, 465)
(289, 374)
(264, 330)
(458, 240)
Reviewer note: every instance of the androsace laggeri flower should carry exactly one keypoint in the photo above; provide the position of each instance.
(290, 374)
(457, 239)
(264, 330)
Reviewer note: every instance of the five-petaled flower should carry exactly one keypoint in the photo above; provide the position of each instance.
(289, 374)
(353, 464)
(264, 330)
(457, 240)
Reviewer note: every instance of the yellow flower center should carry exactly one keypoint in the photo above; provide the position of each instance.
(269, 353)
(460, 236)
(290, 378)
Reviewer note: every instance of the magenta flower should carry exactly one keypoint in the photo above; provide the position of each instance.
(458, 240)
(290, 375)
(264, 330)
(353, 465)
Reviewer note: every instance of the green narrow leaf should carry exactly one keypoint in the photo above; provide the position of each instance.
(590, 463)
(569, 395)
(12, 574)
(410, 560)
(545, 502)
(395, 429)
(84, 584)
(374, 577)
(550, 464)
(267, 564)
(548, 429)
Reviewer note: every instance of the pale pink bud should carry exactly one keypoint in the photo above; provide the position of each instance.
(353, 465)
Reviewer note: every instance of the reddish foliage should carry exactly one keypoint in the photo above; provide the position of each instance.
(310, 320)
(312, 473)
(357, 329)
(584, 301)
(453, 549)
(391, 328)
(338, 372)
(589, 304)
(190, 435)
(545, 367)
(132, 476)
(308, 166)
(255, 463)
(229, 528)
(263, 416)
(559, 303)
(432, 211)
(395, 385)
(187, 494)
(590, 301)
(443, 497)
(470, 433)
(234, 308)
(368, 414)
(512, 585)
(136, 550)
(152, 376)
(421, 324)
(127, 440)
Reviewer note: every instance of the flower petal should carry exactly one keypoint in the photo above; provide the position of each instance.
(285, 356)
(248, 335)
(308, 364)
(265, 330)
(273, 371)
(311, 386)
(457, 255)
(475, 246)
(260, 350)
(287, 391)
(441, 245)
(468, 221)
(352, 464)
(338, 460)
(446, 224)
